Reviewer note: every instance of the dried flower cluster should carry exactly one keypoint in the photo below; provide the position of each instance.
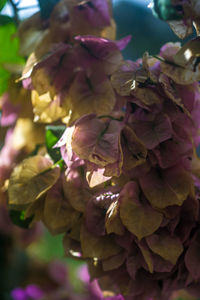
(124, 187)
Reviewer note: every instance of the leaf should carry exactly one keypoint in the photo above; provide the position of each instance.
(46, 7)
(4, 76)
(165, 10)
(98, 247)
(168, 247)
(18, 218)
(2, 4)
(53, 134)
(31, 179)
(136, 215)
(5, 19)
(9, 46)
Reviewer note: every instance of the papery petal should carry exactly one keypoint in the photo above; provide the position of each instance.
(85, 135)
(113, 222)
(182, 28)
(134, 263)
(76, 189)
(96, 213)
(27, 134)
(171, 152)
(147, 95)
(59, 216)
(192, 260)
(90, 94)
(122, 44)
(97, 247)
(134, 151)
(147, 255)
(165, 188)
(9, 111)
(32, 178)
(95, 176)
(168, 247)
(103, 52)
(123, 79)
(46, 108)
(96, 12)
(154, 132)
(136, 215)
(113, 262)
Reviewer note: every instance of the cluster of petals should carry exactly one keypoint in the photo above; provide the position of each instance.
(66, 85)
(128, 199)
(62, 76)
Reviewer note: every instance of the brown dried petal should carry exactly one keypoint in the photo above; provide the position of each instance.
(98, 247)
(168, 247)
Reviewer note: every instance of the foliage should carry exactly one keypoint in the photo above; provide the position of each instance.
(9, 45)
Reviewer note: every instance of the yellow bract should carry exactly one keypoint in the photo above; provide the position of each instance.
(27, 135)
(31, 179)
(83, 99)
(59, 216)
(46, 108)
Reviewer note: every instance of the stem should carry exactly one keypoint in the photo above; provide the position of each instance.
(167, 61)
(57, 164)
(28, 7)
(15, 11)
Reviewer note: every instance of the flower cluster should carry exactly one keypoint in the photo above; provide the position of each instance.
(125, 186)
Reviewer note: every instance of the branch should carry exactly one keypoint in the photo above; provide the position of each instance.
(15, 11)
(29, 7)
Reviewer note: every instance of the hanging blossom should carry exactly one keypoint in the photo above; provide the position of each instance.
(127, 197)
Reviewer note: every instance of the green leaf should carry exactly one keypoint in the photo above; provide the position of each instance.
(9, 45)
(17, 217)
(4, 76)
(2, 4)
(46, 7)
(53, 134)
(5, 20)
(165, 10)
